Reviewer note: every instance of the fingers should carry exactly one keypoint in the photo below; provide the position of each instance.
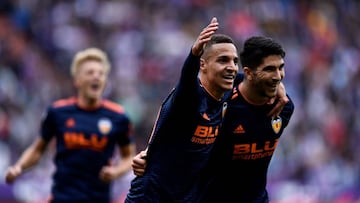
(142, 154)
(282, 90)
(214, 20)
(106, 174)
(280, 104)
(271, 101)
(139, 163)
(282, 100)
(205, 36)
(139, 168)
(207, 32)
(139, 172)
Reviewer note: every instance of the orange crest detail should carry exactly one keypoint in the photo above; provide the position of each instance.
(276, 124)
(104, 126)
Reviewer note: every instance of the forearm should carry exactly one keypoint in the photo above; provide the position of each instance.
(125, 164)
(28, 159)
(31, 155)
(123, 167)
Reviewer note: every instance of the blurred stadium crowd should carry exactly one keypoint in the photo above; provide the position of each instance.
(317, 160)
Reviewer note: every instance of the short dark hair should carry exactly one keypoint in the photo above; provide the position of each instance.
(257, 48)
(217, 39)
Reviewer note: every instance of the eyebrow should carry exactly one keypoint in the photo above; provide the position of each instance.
(271, 66)
(222, 57)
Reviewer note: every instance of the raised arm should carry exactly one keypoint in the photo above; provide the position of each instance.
(204, 36)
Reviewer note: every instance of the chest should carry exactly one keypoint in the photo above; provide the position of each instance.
(85, 123)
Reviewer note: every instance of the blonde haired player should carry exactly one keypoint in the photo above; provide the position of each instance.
(87, 128)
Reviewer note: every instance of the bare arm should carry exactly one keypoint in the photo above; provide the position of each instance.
(110, 173)
(28, 158)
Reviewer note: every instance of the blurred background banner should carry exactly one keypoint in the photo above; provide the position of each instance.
(317, 160)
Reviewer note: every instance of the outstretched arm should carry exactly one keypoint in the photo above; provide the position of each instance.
(28, 158)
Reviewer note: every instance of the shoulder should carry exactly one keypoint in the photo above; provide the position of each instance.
(114, 107)
(290, 104)
(288, 109)
(239, 78)
(63, 103)
(58, 107)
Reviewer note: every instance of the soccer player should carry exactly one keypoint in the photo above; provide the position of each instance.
(188, 122)
(249, 137)
(87, 128)
(238, 167)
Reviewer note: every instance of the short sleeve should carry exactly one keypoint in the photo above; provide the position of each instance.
(125, 132)
(48, 128)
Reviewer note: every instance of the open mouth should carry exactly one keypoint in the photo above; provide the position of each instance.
(273, 86)
(95, 87)
(229, 78)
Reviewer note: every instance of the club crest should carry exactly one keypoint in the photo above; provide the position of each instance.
(276, 124)
(104, 126)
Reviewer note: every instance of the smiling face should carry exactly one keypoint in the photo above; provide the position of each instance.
(266, 78)
(219, 68)
(90, 81)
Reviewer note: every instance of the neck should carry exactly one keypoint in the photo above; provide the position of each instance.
(87, 103)
(215, 94)
(250, 94)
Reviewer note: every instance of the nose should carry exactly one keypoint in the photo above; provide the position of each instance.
(278, 75)
(97, 74)
(233, 67)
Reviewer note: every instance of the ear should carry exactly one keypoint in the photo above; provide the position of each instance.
(248, 73)
(202, 64)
